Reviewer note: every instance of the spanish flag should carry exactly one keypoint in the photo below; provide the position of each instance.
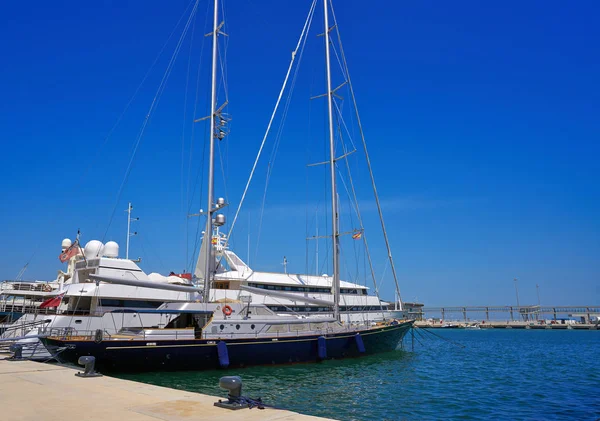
(357, 235)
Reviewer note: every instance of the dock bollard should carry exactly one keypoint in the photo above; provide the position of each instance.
(234, 385)
(17, 350)
(88, 362)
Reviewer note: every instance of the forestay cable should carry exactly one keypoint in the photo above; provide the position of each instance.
(364, 143)
(302, 35)
(153, 105)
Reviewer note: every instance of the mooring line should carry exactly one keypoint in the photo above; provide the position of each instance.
(422, 330)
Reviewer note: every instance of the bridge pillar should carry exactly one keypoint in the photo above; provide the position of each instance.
(487, 314)
(587, 315)
(443, 314)
(465, 313)
(512, 319)
(554, 311)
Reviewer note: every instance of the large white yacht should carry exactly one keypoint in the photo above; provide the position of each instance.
(287, 293)
(74, 302)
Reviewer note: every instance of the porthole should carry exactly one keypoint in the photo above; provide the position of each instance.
(252, 326)
(237, 327)
(222, 327)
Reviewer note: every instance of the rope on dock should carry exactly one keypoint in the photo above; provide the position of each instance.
(250, 403)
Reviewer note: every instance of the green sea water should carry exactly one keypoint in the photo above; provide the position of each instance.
(472, 375)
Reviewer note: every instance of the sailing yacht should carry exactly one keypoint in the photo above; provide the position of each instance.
(206, 335)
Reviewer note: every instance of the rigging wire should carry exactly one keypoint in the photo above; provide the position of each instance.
(183, 141)
(190, 159)
(135, 93)
(351, 89)
(302, 35)
(277, 142)
(358, 213)
(153, 105)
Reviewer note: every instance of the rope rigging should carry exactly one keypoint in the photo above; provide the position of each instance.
(151, 109)
(291, 65)
(362, 135)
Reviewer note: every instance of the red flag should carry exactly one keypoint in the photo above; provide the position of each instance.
(53, 302)
(70, 252)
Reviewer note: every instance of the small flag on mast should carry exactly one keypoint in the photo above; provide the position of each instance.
(70, 252)
(357, 235)
(52, 302)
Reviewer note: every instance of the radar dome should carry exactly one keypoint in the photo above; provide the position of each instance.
(66, 243)
(93, 249)
(111, 249)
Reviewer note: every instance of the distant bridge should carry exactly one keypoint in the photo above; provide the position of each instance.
(524, 312)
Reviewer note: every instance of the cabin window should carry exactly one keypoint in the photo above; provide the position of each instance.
(299, 327)
(278, 328)
(222, 285)
(107, 302)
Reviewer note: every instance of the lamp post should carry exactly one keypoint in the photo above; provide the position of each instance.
(537, 288)
(517, 292)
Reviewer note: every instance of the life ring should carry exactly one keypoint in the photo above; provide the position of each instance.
(47, 288)
(227, 310)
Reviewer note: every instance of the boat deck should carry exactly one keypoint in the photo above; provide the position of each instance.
(31, 391)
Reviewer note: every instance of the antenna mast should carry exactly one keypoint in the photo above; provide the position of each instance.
(334, 208)
(129, 233)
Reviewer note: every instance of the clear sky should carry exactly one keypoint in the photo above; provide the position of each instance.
(483, 122)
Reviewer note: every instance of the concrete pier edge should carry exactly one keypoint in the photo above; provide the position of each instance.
(32, 391)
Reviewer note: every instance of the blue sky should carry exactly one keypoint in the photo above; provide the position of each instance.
(481, 119)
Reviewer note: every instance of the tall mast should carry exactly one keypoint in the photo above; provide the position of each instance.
(211, 156)
(334, 208)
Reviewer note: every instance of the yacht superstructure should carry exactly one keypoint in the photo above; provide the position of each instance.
(77, 302)
(287, 293)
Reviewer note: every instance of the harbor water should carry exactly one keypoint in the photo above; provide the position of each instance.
(471, 375)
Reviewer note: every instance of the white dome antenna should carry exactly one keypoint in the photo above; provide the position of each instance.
(66, 243)
(93, 249)
(111, 249)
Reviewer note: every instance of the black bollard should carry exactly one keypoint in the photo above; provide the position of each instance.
(234, 385)
(88, 362)
(17, 350)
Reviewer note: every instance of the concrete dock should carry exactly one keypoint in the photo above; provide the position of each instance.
(31, 391)
(505, 325)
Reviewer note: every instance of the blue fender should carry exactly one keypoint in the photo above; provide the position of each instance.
(359, 343)
(223, 354)
(322, 347)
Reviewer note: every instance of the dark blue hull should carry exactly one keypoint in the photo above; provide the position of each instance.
(202, 354)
